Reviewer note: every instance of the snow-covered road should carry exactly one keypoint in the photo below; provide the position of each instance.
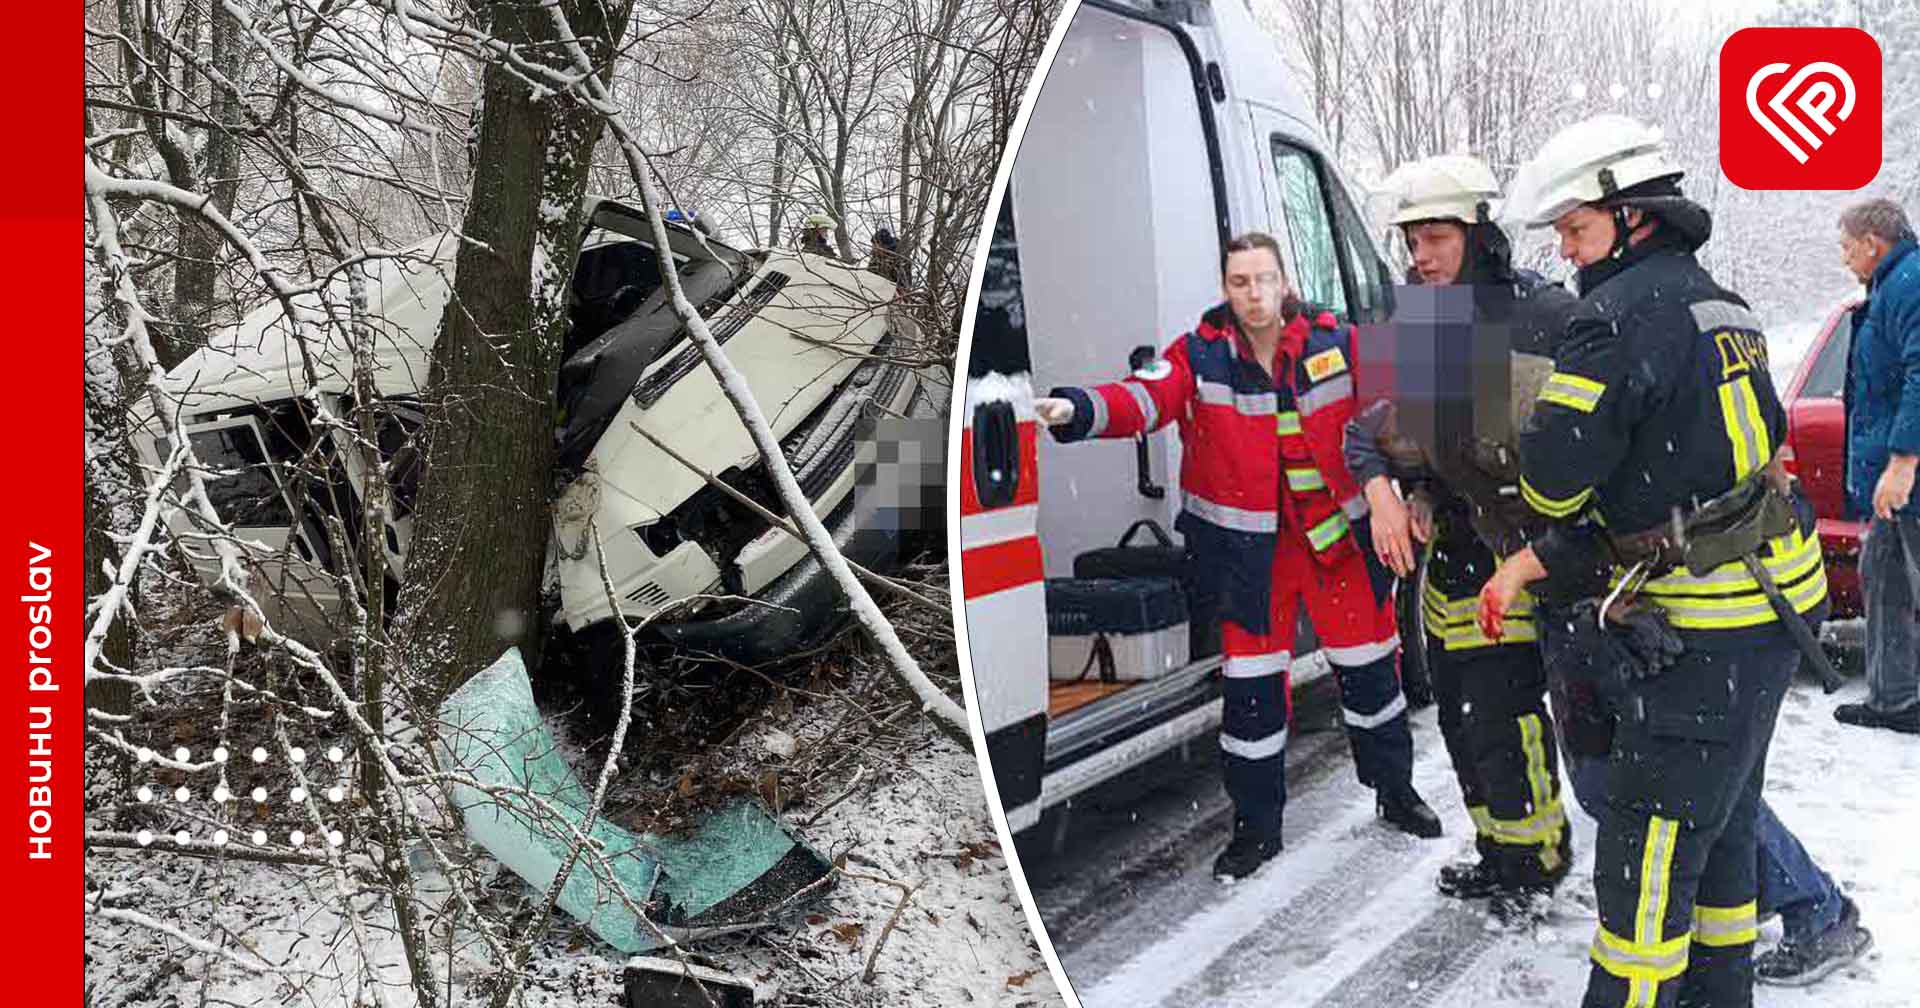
(1348, 916)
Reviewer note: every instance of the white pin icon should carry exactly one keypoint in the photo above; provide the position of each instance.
(1814, 103)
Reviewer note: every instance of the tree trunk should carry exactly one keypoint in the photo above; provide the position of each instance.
(196, 274)
(108, 456)
(474, 567)
(777, 193)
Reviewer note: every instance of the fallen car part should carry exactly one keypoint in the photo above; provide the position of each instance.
(669, 983)
(735, 865)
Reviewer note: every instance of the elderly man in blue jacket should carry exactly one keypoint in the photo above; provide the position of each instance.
(1883, 449)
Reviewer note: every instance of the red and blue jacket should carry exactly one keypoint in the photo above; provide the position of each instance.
(1256, 456)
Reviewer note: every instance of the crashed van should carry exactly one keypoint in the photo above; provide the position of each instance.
(1160, 130)
(812, 336)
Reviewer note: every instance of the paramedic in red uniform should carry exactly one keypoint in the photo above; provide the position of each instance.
(1262, 389)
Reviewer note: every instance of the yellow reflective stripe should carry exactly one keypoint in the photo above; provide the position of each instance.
(1728, 598)
(1328, 532)
(1550, 394)
(1288, 423)
(1305, 479)
(1548, 820)
(1723, 926)
(1572, 391)
(1656, 867)
(1469, 607)
(1746, 431)
(1552, 507)
(1739, 614)
(1651, 965)
(1577, 383)
(1540, 785)
(1541, 829)
(1791, 558)
(1456, 622)
(1647, 960)
(1465, 637)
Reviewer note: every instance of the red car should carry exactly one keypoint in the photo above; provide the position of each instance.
(1817, 452)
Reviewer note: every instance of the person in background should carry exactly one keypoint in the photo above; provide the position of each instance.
(884, 259)
(814, 235)
(1883, 447)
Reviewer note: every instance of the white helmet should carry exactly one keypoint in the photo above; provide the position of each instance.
(1590, 161)
(819, 220)
(1448, 187)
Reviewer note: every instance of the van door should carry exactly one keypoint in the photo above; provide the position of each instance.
(1107, 239)
(1118, 196)
(1001, 575)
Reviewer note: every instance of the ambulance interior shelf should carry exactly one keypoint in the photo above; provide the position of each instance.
(1125, 617)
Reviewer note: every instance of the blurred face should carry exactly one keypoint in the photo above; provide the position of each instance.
(1437, 249)
(1254, 287)
(1860, 255)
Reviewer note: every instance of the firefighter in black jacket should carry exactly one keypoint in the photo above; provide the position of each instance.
(1661, 420)
(1490, 693)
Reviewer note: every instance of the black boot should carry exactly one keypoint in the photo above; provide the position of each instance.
(1405, 812)
(1799, 963)
(1244, 855)
(1468, 880)
(1866, 717)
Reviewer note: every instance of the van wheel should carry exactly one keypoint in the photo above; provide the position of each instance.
(1415, 678)
(580, 672)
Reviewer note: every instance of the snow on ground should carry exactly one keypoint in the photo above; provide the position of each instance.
(1348, 917)
(963, 939)
(910, 810)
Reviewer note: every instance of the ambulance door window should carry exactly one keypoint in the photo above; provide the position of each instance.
(1316, 259)
(1372, 290)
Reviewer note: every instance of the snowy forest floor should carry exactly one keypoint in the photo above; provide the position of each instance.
(1348, 917)
(835, 746)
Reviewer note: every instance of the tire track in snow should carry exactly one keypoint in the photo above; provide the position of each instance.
(1211, 942)
(1294, 938)
(1422, 964)
(1080, 908)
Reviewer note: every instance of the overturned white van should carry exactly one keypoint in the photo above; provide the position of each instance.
(811, 334)
(1160, 130)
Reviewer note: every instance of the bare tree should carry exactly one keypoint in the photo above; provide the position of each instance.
(347, 132)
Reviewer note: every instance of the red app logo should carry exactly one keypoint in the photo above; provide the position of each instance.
(1800, 108)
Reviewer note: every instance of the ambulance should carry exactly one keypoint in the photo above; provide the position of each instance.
(1161, 129)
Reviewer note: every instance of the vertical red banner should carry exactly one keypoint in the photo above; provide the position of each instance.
(40, 560)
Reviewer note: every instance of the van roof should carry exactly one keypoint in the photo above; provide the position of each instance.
(261, 360)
